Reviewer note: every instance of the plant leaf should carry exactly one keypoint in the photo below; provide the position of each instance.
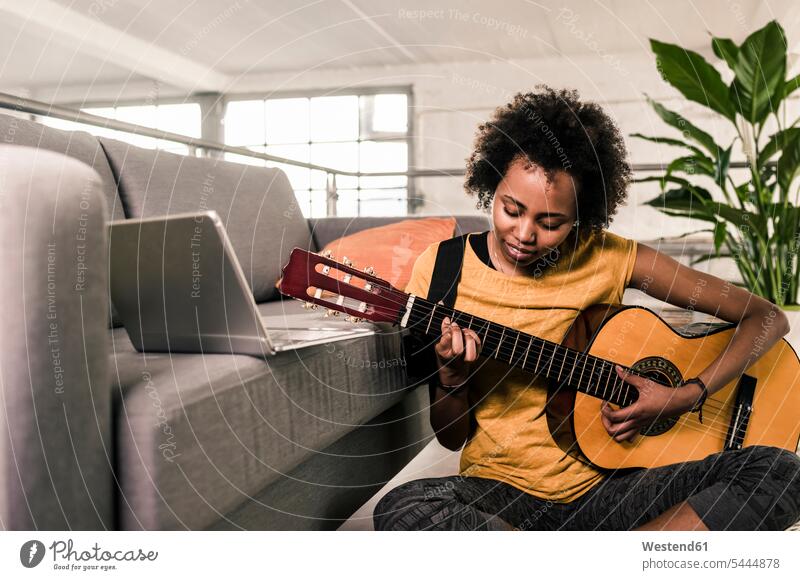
(692, 165)
(662, 179)
(777, 142)
(789, 87)
(667, 178)
(689, 130)
(720, 233)
(725, 49)
(786, 219)
(683, 235)
(721, 166)
(696, 203)
(695, 78)
(668, 141)
(739, 218)
(789, 164)
(760, 69)
(685, 202)
(745, 192)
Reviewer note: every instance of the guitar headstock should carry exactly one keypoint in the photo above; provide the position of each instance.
(319, 280)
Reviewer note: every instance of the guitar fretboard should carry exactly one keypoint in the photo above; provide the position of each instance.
(568, 367)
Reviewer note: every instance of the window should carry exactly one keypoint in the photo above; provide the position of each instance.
(181, 118)
(358, 133)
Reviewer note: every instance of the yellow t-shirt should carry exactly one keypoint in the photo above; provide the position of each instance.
(512, 442)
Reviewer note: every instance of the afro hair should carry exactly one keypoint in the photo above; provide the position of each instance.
(556, 131)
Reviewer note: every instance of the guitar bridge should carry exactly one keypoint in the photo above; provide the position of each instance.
(742, 409)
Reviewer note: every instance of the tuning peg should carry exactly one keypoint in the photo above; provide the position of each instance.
(327, 254)
(331, 312)
(347, 262)
(353, 319)
(308, 305)
(369, 270)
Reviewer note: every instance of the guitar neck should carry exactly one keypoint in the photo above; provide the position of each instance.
(568, 367)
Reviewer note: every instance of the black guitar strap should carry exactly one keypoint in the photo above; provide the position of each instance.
(418, 350)
(447, 271)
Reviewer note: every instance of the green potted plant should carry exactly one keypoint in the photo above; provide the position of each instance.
(755, 221)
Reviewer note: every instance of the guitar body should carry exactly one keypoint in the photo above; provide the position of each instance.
(638, 338)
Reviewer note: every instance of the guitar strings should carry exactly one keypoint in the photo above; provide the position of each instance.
(570, 355)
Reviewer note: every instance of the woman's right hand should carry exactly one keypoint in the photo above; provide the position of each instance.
(456, 350)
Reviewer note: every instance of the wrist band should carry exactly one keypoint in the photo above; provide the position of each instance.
(452, 388)
(698, 406)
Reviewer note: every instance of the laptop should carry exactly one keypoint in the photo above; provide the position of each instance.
(177, 286)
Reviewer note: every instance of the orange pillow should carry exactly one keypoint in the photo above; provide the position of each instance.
(392, 249)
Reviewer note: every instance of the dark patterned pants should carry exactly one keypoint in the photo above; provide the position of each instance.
(756, 488)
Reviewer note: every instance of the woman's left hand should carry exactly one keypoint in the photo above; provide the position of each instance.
(655, 401)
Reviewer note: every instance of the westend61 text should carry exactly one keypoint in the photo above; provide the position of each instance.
(673, 547)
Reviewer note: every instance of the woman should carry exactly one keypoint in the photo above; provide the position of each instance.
(553, 171)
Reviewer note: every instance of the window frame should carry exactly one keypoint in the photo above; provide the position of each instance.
(407, 137)
(196, 99)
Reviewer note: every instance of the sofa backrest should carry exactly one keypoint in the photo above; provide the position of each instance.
(328, 229)
(257, 204)
(76, 144)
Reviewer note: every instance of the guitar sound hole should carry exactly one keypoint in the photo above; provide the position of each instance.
(664, 372)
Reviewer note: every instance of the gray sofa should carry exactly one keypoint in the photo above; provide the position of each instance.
(99, 436)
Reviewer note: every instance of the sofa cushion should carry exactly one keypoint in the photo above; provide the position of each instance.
(392, 249)
(325, 230)
(198, 435)
(76, 144)
(257, 204)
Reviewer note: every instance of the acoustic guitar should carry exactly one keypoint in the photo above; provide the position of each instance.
(761, 407)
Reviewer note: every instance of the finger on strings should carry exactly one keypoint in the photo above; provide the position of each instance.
(621, 414)
(469, 348)
(625, 375)
(472, 337)
(628, 435)
(620, 428)
(445, 324)
(606, 423)
(445, 342)
(458, 340)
